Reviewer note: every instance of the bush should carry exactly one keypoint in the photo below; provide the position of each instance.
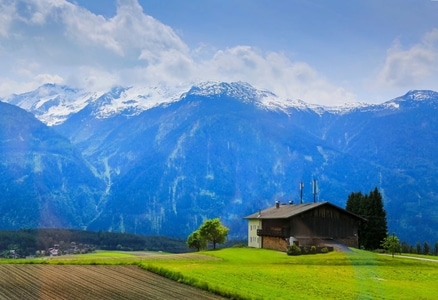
(324, 250)
(240, 245)
(313, 249)
(293, 250)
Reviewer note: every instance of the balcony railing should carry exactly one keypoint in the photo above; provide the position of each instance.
(284, 232)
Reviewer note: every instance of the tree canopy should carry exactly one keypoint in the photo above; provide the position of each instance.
(391, 244)
(370, 206)
(195, 240)
(212, 231)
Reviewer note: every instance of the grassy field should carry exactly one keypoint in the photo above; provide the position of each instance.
(264, 274)
(245, 273)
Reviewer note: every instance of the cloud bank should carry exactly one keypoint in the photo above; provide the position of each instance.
(58, 41)
(413, 66)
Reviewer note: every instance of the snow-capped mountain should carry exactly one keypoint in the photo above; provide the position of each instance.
(223, 150)
(53, 104)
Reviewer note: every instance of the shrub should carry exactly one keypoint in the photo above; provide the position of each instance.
(313, 249)
(293, 250)
(324, 250)
(240, 245)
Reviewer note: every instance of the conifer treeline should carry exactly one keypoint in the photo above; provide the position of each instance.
(372, 233)
(370, 206)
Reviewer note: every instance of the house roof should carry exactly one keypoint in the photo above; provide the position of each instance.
(285, 211)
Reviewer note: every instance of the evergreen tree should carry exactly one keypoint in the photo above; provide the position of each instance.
(426, 248)
(418, 248)
(376, 215)
(374, 231)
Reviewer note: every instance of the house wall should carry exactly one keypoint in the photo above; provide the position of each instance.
(253, 239)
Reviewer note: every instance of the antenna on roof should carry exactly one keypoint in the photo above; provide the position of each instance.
(314, 190)
(301, 192)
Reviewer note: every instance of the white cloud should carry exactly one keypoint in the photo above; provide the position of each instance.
(405, 67)
(275, 72)
(58, 41)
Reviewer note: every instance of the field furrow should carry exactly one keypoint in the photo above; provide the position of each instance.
(90, 282)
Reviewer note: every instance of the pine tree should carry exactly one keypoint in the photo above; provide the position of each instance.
(374, 231)
(426, 248)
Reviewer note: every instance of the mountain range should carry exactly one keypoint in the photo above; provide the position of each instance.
(161, 161)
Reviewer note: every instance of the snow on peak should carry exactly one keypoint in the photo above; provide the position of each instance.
(239, 90)
(248, 94)
(51, 103)
(412, 97)
(132, 101)
(420, 95)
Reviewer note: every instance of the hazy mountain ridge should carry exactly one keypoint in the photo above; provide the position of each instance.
(227, 150)
(44, 181)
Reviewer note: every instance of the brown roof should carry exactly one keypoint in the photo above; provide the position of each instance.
(289, 210)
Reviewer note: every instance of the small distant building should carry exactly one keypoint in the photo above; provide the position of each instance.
(309, 224)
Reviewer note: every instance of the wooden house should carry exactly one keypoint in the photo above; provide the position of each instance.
(309, 224)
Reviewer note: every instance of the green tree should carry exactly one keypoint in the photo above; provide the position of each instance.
(213, 231)
(418, 248)
(196, 241)
(372, 232)
(426, 248)
(436, 249)
(391, 244)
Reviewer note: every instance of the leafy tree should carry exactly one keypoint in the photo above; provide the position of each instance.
(213, 231)
(195, 240)
(371, 233)
(391, 244)
(436, 248)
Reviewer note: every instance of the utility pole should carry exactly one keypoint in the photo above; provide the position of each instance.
(314, 190)
(301, 192)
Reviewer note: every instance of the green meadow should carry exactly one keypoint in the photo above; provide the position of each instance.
(246, 273)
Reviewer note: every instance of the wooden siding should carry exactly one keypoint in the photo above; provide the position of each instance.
(311, 227)
(324, 222)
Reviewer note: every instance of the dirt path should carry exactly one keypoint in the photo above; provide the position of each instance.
(413, 257)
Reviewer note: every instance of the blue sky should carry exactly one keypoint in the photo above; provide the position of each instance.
(324, 52)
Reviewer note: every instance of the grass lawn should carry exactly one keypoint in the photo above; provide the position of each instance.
(264, 274)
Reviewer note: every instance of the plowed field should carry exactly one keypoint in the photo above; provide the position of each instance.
(90, 282)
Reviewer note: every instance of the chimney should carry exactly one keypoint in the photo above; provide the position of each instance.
(277, 204)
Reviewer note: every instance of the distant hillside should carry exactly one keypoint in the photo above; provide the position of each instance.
(28, 241)
(219, 150)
